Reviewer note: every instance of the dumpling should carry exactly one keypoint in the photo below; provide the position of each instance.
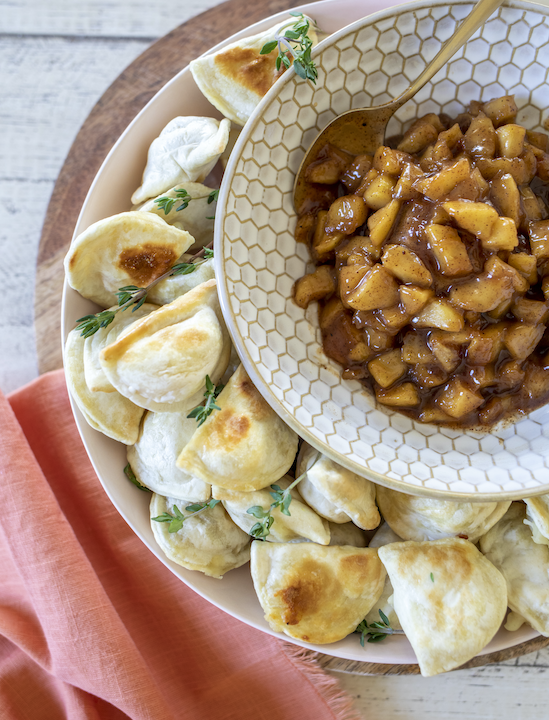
(161, 361)
(335, 492)
(384, 536)
(131, 248)
(161, 438)
(196, 218)
(421, 518)
(301, 523)
(449, 598)
(96, 380)
(537, 517)
(524, 565)
(173, 287)
(109, 412)
(245, 445)
(186, 150)
(315, 593)
(235, 78)
(347, 534)
(209, 542)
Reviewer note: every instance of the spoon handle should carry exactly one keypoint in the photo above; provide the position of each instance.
(478, 15)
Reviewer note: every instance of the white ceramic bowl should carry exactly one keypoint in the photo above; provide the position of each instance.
(118, 177)
(367, 64)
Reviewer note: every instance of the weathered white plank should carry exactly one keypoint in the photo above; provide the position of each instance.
(97, 18)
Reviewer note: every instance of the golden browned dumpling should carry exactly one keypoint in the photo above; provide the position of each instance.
(421, 518)
(161, 362)
(131, 248)
(524, 564)
(315, 593)
(336, 493)
(450, 600)
(302, 522)
(235, 78)
(245, 445)
(209, 542)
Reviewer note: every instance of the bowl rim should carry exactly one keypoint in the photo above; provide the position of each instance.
(224, 294)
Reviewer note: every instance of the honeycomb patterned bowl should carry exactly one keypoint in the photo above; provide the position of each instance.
(369, 63)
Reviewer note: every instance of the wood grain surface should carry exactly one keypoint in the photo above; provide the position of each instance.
(113, 112)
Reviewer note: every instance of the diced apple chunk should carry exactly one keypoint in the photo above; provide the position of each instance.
(476, 217)
(510, 374)
(406, 266)
(440, 184)
(386, 369)
(501, 110)
(480, 139)
(405, 395)
(394, 318)
(314, 286)
(521, 339)
(349, 277)
(539, 239)
(378, 289)
(415, 350)
(511, 140)
(485, 292)
(526, 266)
(505, 195)
(530, 311)
(346, 214)
(533, 210)
(413, 298)
(379, 192)
(428, 376)
(449, 250)
(459, 399)
(503, 236)
(446, 349)
(381, 222)
(418, 136)
(439, 313)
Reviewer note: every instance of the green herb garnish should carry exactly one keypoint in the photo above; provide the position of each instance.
(177, 519)
(129, 473)
(202, 412)
(136, 296)
(432, 577)
(377, 631)
(282, 500)
(166, 203)
(293, 41)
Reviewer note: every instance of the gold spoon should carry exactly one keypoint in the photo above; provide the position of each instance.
(363, 130)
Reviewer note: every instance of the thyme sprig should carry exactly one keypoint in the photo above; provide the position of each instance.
(177, 519)
(202, 412)
(376, 631)
(281, 501)
(292, 40)
(166, 203)
(133, 295)
(129, 473)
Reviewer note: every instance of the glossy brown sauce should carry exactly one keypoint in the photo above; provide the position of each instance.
(147, 262)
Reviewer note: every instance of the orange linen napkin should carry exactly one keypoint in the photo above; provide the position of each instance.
(92, 625)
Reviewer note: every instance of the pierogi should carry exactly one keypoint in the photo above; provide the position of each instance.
(244, 445)
(161, 362)
(209, 542)
(186, 150)
(315, 593)
(384, 536)
(336, 493)
(524, 564)
(537, 517)
(131, 248)
(421, 518)
(153, 457)
(301, 523)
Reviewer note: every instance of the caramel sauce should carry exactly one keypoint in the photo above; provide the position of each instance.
(146, 262)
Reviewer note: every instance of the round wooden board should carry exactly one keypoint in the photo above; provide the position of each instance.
(111, 115)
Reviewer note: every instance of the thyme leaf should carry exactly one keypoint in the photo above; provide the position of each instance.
(166, 203)
(202, 412)
(376, 631)
(293, 41)
(177, 519)
(129, 473)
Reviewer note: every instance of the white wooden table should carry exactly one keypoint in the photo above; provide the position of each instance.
(57, 57)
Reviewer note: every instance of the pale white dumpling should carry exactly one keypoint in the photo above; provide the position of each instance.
(186, 150)
(209, 542)
(173, 287)
(161, 361)
(235, 78)
(315, 593)
(524, 564)
(109, 412)
(131, 248)
(336, 493)
(384, 536)
(537, 517)
(423, 518)
(161, 438)
(196, 218)
(449, 599)
(301, 523)
(244, 445)
(96, 380)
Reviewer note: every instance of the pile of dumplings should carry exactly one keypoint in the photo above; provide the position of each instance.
(443, 572)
